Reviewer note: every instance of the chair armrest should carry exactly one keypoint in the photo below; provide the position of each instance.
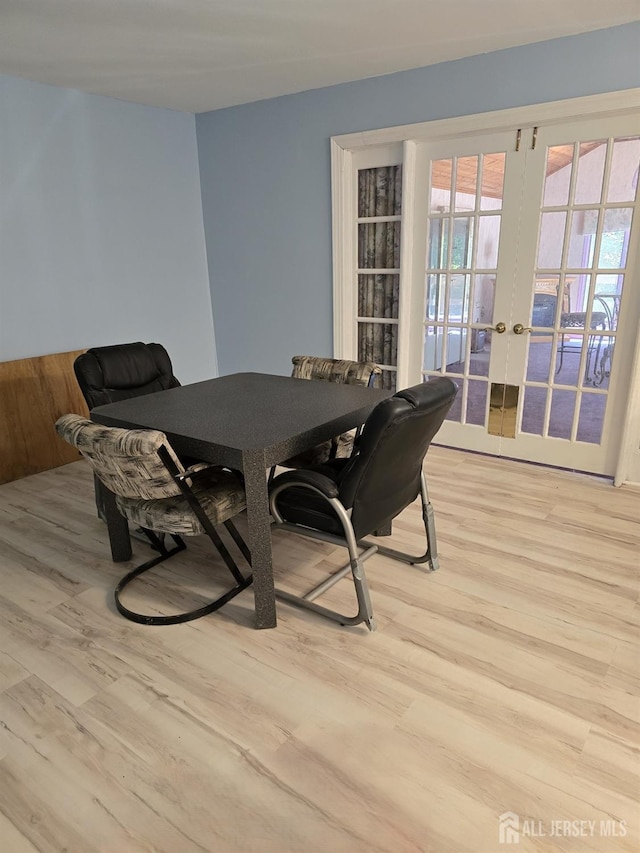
(195, 469)
(301, 477)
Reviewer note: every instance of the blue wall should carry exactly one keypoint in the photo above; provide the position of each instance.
(265, 174)
(101, 233)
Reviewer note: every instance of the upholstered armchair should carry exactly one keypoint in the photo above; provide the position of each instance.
(330, 370)
(154, 490)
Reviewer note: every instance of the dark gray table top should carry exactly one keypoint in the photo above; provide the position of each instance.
(219, 419)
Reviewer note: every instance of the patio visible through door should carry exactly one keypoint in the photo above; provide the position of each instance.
(529, 299)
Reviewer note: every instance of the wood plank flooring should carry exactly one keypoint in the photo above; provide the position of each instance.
(506, 682)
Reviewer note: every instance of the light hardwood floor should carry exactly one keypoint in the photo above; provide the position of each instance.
(506, 682)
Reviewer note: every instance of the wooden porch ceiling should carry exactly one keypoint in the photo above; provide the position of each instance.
(493, 169)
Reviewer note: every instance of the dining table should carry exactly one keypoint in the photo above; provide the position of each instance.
(248, 422)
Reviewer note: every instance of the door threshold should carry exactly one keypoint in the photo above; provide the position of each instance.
(527, 462)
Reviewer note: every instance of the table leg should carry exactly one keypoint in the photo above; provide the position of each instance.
(117, 527)
(259, 523)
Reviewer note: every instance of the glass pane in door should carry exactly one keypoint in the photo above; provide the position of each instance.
(583, 238)
(378, 295)
(477, 393)
(440, 194)
(623, 177)
(379, 245)
(463, 237)
(590, 172)
(556, 190)
(591, 420)
(493, 166)
(534, 410)
(379, 231)
(380, 191)
(466, 182)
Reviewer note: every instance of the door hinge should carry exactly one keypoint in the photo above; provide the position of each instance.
(534, 138)
(518, 138)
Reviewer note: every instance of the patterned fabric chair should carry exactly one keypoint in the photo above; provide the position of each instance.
(330, 370)
(154, 490)
(347, 499)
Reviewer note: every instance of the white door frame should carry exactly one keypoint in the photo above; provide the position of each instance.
(401, 142)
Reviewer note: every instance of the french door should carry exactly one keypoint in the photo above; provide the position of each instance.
(508, 258)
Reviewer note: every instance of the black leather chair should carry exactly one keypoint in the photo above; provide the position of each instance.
(347, 499)
(113, 373)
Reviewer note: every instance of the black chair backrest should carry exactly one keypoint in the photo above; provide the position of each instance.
(384, 476)
(114, 373)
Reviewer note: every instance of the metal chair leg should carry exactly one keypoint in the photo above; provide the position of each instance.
(358, 553)
(242, 545)
(431, 554)
(355, 566)
(159, 543)
(365, 612)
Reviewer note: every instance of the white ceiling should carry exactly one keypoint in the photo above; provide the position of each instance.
(198, 55)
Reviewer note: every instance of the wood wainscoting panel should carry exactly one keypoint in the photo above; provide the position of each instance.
(34, 392)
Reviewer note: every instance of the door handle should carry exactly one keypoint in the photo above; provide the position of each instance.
(500, 328)
(519, 329)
